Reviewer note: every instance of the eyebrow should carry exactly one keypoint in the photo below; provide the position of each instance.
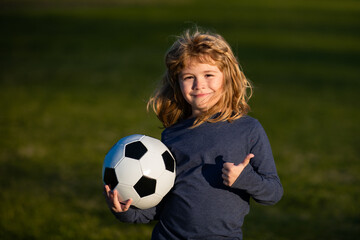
(206, 71)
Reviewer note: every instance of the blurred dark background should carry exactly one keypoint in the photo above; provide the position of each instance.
(75, 77)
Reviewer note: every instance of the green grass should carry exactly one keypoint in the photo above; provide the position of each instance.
(75, 78)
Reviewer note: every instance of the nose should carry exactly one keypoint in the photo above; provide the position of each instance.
(198, 83)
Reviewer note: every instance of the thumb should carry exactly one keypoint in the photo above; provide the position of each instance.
(247, 159)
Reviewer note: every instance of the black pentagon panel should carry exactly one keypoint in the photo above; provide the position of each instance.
(110, 178)
(145, 186)
(135, 150)
(169, 161)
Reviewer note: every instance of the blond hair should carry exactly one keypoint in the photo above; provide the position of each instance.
(168, 102)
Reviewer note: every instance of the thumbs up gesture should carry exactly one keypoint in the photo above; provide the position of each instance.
(231, 172)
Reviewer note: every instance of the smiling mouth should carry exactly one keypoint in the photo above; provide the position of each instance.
(201, 94)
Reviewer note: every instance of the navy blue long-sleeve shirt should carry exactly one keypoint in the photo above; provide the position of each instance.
(200, 206)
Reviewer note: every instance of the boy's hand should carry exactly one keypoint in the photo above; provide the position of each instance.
(113, 202)
(231, 171)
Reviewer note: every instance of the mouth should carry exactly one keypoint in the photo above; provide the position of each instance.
(198, 95)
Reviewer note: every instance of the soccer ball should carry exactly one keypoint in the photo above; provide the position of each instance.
(139, 167)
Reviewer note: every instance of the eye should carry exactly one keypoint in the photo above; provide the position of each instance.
(208, 75)
(187, 78)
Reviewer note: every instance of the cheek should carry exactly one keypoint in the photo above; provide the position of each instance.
(218, 85)
(181, 85)
(185, 88)
(183, 91)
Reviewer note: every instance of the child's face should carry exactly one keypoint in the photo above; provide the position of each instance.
(201, 85)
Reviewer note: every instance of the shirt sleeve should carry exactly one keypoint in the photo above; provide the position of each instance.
(134, 215)
(259, 178)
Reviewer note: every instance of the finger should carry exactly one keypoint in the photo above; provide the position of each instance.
(107, 189)
(123, 203)
(116, 205)
(248, 158)
(106, 192)
(115, 197)
(127, 205)
(225, 176)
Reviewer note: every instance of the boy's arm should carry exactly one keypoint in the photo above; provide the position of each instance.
(134, 215)
(260, 178)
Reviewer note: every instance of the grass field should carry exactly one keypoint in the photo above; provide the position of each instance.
(75, 77)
